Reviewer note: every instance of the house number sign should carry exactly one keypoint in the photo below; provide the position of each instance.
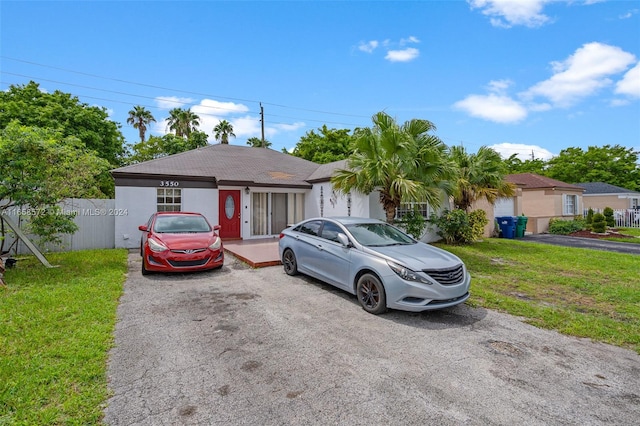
(169, 183)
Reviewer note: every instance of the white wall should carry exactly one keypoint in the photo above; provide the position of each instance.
(335, 203)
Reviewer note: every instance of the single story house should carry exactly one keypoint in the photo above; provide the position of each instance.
(598, 195)
(251, 192)
(544, 198)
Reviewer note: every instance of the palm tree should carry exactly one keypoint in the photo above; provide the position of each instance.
(182, 122)
(140, 117)
(257, 143)
(222, 131)
(480, 175)
(404, 163)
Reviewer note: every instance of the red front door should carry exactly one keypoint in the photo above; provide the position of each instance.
(229, 214)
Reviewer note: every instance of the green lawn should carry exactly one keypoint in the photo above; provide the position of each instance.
(56, 327)
(633, 233)
(580, 292)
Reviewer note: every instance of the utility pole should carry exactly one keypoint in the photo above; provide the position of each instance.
(262, 122)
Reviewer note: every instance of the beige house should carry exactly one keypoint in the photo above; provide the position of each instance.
(598, 195)
(544, 198)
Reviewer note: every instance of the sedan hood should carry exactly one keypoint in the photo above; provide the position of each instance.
(419, 256)
(185, 241)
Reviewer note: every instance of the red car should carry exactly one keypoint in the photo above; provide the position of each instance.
(180, 242)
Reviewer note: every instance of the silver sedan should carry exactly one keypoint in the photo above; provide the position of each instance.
(381, 265)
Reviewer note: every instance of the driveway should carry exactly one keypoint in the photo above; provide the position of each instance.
(244, 346)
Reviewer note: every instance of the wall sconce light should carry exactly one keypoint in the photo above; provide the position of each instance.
(247, 190)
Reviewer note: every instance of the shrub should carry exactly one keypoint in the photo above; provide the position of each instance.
(459, 227)
(590, 216)
(564, 227)
(599, 224)
(413, 223)
(608, 216)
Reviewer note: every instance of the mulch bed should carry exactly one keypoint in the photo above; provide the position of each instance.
(611, 233)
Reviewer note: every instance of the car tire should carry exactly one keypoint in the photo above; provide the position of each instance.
(371, 295)
(289, 262)
(145, 271)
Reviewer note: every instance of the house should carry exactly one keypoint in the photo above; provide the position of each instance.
(598, 195)
(250, 192)
(544, 198)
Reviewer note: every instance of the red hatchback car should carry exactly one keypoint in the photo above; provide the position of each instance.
(180, 242)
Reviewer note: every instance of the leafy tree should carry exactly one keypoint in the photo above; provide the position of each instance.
(480, 175)
(459, 227)
(41, 167)
(222, 131)
(615, 165)
(140, 118)
(65, 114)
(183, 122)
(327, 146)
(404, 162)
(257, 143)
(168, 144)
(515, 165)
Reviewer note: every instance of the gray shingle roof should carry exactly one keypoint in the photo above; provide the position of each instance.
(325, 171)
(230, 164)
(604, 188)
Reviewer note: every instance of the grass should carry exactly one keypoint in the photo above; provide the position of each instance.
(56, 328)
(580, 292)
(633, 233)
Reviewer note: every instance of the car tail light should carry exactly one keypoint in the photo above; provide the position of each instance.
(281, 235)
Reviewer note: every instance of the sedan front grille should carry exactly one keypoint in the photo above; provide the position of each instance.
(189, 251)
(446, 276)
(188, 263)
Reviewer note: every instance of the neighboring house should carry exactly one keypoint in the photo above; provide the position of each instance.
(250, 192)
(598, 195)
(544, 198)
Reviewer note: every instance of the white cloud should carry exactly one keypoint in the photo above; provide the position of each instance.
(508, 13)
(368, 46)
(492, 107)
(522, 151)
(630, 83)
(411, 39)
(404, 55)
(170, 102)
(217, 108)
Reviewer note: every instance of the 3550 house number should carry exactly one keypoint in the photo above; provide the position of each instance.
(169, 183)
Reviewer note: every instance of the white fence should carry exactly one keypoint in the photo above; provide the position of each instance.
(95, 219)
(624, 218)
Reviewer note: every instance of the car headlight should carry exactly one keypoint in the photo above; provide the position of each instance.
(216, 244)
(406, 273)
(156, 246)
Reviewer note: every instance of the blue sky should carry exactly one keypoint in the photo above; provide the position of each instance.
(521, 76)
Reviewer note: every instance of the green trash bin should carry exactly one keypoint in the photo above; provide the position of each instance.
(521, 226)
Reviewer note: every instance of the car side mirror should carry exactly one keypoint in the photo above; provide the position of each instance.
(143, 228)
(344, 240)
(217, 227)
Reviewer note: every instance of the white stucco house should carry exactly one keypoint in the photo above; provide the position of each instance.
(250, 192)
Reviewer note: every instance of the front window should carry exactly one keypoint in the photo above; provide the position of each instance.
(169, 199)
(379, 235)
(570, 204)
(405, 208)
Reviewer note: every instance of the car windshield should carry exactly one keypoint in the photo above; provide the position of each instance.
(180, 224)
(379, 235)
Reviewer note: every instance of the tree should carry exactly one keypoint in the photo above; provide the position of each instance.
(140, 118)
(64, 113)
(327, 146)
(515, 165)
(480, 175)
(183, 122)
(615, 165)
(257, 143)
(168, 144)
(222, 131)
(38, 169)
(405, 163)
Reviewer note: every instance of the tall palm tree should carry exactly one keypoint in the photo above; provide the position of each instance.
(404, 162)
(258, 143)
(183, 121)
(480, 175)
(223, 130)
(140, 118)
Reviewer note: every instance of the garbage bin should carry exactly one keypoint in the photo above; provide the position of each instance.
(521, 226)
(507, 226)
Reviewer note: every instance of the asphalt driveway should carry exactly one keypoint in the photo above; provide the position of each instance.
(244, 346)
